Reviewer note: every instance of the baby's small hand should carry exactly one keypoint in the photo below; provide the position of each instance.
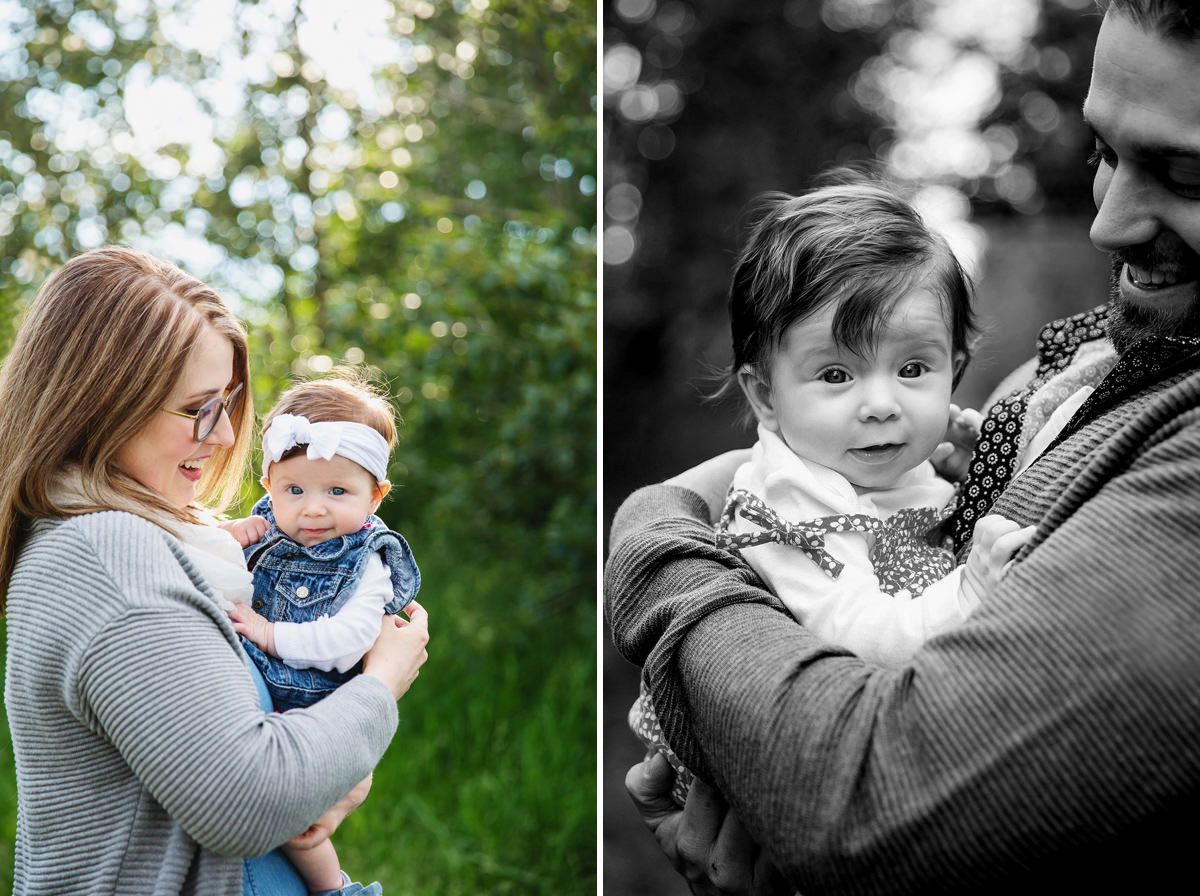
(253, 628)
(965, 424)
(247, 531)
(952, 458)
(995, 542)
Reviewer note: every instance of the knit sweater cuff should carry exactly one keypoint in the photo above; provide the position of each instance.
(665, 575)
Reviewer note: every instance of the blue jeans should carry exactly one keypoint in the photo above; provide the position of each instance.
(272, 874)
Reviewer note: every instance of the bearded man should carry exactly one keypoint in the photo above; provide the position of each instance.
(1053, 739)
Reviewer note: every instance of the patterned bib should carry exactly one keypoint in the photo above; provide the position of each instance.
(907, 555)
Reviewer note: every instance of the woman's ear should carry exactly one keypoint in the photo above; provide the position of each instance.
(758, 392)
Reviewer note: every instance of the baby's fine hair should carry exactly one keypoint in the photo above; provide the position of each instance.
(346, 394)
(853, 240)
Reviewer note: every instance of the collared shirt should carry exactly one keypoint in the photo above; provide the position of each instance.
(1066, 353)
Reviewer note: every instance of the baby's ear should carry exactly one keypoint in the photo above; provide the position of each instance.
(958, 364)
(265, 482)
(382, 487)
(758, 393)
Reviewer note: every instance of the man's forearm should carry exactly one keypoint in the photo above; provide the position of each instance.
(664, 574)
(1066, 697)
(1055, 715)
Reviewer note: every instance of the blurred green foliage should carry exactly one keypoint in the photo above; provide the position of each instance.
(425, 207)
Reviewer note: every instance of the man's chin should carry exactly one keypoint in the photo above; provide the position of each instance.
(1141, 314)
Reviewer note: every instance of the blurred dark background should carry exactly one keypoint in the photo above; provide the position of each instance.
(708, 103)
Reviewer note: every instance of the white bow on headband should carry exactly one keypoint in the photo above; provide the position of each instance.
(353, 441)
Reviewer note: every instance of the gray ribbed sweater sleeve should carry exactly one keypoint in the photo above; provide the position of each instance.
(1055, 729)
(144, 763)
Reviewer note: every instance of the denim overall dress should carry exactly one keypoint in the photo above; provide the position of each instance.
(294, 583)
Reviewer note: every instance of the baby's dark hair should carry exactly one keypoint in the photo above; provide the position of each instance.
(853, 240)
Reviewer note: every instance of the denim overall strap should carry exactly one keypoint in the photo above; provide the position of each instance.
(302, 583)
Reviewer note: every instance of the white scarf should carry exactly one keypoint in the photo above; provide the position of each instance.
(214, 552)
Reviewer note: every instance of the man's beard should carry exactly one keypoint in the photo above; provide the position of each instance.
(1129, 323)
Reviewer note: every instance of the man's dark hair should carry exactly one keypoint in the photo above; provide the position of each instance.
(1174, 19)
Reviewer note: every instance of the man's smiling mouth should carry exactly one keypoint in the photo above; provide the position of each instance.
(1154, 278)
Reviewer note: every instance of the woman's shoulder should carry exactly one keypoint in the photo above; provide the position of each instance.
(99, 528)
(113, 542)
(97, 567)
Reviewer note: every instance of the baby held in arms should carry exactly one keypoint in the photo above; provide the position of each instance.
(851, 325)
(325, 569)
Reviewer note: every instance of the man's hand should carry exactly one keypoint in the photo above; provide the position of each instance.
(704, 841)
(328, 823)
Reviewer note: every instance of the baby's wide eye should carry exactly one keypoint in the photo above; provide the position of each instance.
(294, 490)
(834, 376)
(912, 369)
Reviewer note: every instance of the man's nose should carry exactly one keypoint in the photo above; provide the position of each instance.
(1126, 214)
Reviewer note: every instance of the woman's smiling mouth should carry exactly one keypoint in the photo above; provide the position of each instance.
(192, 469)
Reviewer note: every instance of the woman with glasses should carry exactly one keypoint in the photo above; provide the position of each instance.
(145, 760)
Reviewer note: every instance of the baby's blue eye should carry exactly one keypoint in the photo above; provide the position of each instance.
(294, 490)
(337, 490)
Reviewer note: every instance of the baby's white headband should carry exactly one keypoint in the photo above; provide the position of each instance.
(353, 441)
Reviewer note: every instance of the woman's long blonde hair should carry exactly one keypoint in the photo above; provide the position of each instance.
(99, 353)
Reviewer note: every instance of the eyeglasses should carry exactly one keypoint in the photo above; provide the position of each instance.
(210, 413)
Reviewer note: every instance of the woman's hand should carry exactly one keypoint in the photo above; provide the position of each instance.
(328, 823)
(711, 479)
(704, 841)
(399, 652)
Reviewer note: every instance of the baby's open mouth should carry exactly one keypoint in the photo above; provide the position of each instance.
(878, 453)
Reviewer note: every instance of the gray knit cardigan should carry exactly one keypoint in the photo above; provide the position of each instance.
(1049, 744)
(144, 764)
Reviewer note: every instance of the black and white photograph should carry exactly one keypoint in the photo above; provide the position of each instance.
(900, 466)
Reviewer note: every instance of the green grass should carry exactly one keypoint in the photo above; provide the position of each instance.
(489, 784)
